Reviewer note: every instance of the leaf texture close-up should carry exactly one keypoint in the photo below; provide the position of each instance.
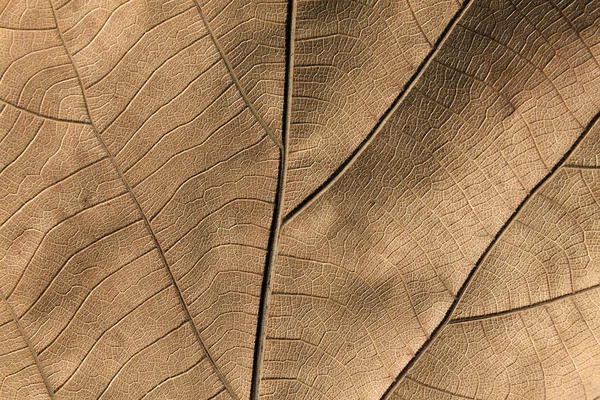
(300, 199)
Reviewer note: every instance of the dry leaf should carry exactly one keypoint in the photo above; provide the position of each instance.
(313, 199)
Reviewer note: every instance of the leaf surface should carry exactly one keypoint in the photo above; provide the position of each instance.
(299, 199)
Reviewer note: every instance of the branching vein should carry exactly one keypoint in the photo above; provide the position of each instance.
(263, 312)
(145, 219)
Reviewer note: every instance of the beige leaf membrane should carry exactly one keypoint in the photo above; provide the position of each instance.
(133, 243)
(301, 199)
(352, 59)
(527, 324)
(368, 271)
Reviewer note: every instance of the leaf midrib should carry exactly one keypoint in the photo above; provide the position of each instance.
(277, 221)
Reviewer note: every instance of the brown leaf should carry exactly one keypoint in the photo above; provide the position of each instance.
(299, 199)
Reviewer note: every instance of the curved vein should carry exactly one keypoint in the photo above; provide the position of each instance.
(448, 317)
(345, 166)
(29, 346)
(277, 221)
(144, 218)
(236, 80)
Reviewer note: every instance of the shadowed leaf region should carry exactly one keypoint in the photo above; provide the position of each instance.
(299, 199)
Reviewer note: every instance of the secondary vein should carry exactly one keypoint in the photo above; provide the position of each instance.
(186, 310)
(236, 80)
(39, 115)
(345, 166)
(29, 346)
(523, 308)
(466, 284)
